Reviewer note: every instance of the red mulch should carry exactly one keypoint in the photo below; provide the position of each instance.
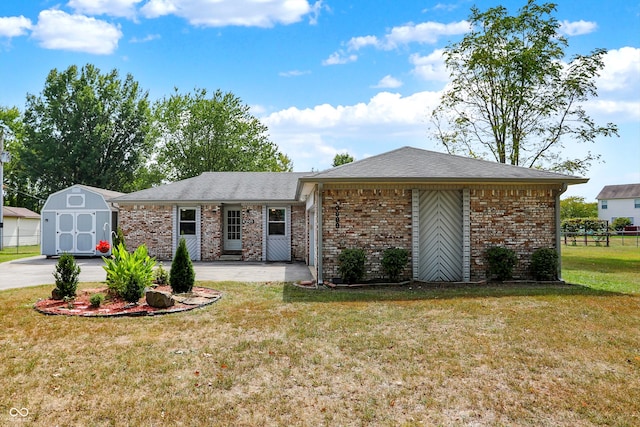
(114, 306)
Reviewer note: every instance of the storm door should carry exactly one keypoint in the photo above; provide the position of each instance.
(232, 228)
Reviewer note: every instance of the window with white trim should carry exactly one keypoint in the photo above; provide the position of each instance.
(277, 221)
(603, 204)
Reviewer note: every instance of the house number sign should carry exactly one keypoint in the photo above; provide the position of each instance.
(337, 216)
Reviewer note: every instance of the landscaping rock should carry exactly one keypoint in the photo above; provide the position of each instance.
(55, 294)
(159, 299)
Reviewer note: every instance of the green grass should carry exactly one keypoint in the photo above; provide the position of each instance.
(9, 254)
(615, 268)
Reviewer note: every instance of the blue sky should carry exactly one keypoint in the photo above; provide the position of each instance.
(326, 76)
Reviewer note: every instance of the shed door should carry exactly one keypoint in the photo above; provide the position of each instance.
(278, 234)
(76, 232)
(232, 228)
(440, 236)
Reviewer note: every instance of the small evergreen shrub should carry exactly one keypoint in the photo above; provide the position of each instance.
(123, 266)
(181, 275)
(394, 260)
(544, 264)
(351, 264)
(161, 275)
(500, 262)
(96, 300)
(66, 276)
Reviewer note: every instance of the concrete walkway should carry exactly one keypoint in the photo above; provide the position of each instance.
(39, 271)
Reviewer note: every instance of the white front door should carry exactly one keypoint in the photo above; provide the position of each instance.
(232, 228)
(76, 232)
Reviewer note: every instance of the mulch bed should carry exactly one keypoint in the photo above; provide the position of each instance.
(199, 297)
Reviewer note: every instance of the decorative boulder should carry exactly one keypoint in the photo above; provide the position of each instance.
(56, 294)
(159, 299)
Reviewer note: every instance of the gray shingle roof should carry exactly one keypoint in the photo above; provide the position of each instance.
(222, 187)
(10, 211)
(626, 191)
(411, 164)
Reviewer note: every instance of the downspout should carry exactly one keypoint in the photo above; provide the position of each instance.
(558, 236)
(319, 238)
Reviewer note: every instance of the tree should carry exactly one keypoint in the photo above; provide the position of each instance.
(512, 98)
(196, 133)
(86, 128)
(576, 207)
(342, 159)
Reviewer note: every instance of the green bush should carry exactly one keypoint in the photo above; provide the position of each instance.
(500, 262)
(181, 275)
(161, 275)
(544, 264)
(620, 223)
(66, 276)
(394, 260)
(128, 274)
(351, 265)
(96, 300)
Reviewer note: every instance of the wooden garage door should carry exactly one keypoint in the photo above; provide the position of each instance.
(440, 237)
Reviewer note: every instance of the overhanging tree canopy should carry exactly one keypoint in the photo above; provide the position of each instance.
(512, 98)
(196, 133)
(85, 128)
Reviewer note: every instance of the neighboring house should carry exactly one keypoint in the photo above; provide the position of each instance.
(75, 219)
(615, 201)
(445, 210)
(21, 227)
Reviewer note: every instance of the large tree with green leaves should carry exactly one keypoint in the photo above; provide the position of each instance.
(86, 127)
(511, 95)
(342, 159)
(576, 207)
(197, 133)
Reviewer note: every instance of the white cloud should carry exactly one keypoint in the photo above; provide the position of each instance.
(357, 43)
(121, 8)
(58, 30)
(340, 57)
(430, 67)
(14, 26)
(621, 71)
(145, 39)
(577, 28)
(388, 82)
(294, 73)
(313, 136)
(426, 32)
(222, 13)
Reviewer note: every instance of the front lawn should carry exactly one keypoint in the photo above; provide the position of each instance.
(274, 354)
(11, 253)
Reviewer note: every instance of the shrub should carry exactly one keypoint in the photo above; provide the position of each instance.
(181, 275)
(66, 276)
(544, 264)
(394, 260)
(351, 265)
(161, 275)
(620, 223)
(96, 300)
(500, 262)
(123, 266)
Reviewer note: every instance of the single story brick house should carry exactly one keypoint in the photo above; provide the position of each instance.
(445, 210)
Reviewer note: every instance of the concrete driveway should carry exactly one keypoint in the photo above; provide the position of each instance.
(39, 271)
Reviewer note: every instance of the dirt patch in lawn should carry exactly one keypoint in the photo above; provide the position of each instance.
(114, 306)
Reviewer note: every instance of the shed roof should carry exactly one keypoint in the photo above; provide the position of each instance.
(409, 163)
(8, 211)
(107, 194)
(625, 191)
(222, 187)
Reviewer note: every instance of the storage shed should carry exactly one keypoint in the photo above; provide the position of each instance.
(75, 219)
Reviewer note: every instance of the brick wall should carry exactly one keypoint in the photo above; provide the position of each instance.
(519, 218)
(211, 230)
(377, 217)
(150, 225)
(252, 233)
(298, 233)
(373, 219)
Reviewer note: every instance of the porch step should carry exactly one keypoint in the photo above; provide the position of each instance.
(230, 257)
